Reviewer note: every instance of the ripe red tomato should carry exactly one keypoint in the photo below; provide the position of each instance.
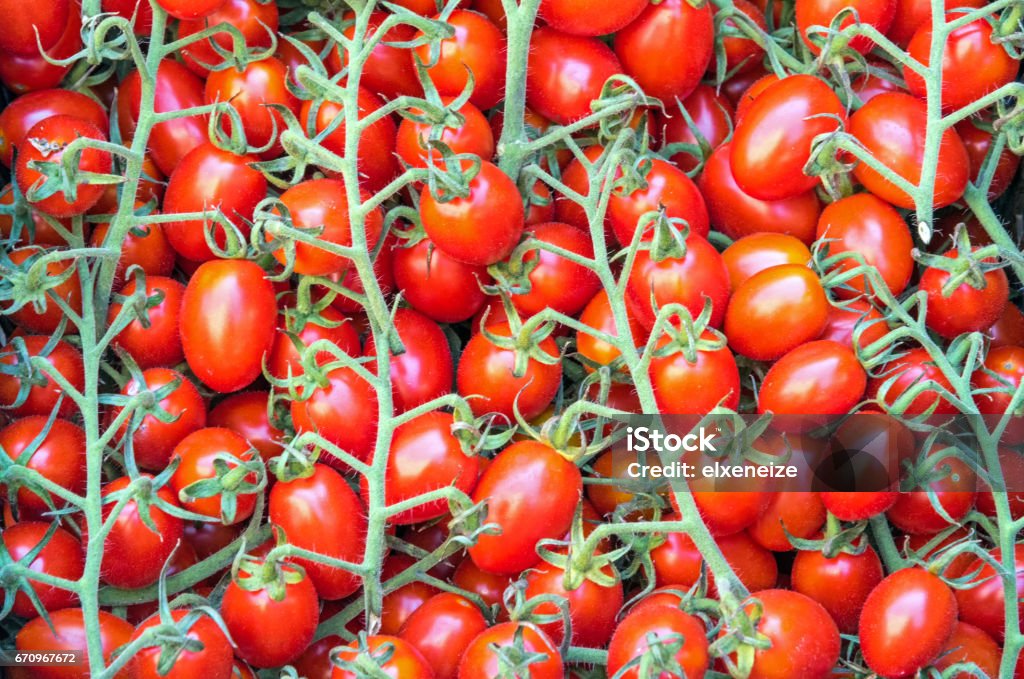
(565, 73)
(759, 251)
(197, 455)
(1003, 370)
(968, 644)
(712, 116)
(556, 282)
(737, 214)
(892, 128)
(667, 48)
(403, 660)
(156, 342)
(984, 603)
(512, 486)
(800, 514)
(146, 247)
(331, 325)
(485, 370)
(912, 367)
(841, 584)
(133, 553)
(876, 13)
(23, 113)
(61, 556)
(415, 139)
(255, 91)
(598, 315)
(66, 631)
(638, 631)
(437, 285)
(669, 190)
(344, 412)
(816, 378)
(477, 47)
(441, 629)
(851, 506)
(967, 308)
(32, 72)
(773, 138)
(321, 513)
(906, 622)
(592, 607)
(490, 587)
(256, 21)
(215, 660)
(685, 387)
(481, 657)
(481, 228)
(954, 485)
(58, 457)
(26, 32)
(587, 17)
(742, 53)
(269, 631)
(1009, 329)
(870, 227)
(388, 70)
(226, 300)
(41, 394)
(190, 9)
(246, 414)
(977, 142)
(47, 321)
(913, 14)
(788, 299)
(139, 12)
(425, 371)
(854, 316)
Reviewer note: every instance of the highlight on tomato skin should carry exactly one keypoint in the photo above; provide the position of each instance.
(460, 339)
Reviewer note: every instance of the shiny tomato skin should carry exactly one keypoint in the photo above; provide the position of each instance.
(480, 660)
(667, 48)
(911, 15)
(737, 214)
(565, 73)
(47, 321)
(798, 513)
(190, 9)
(668, 189)
(742, 53)
(913, 366)
(891, 127)
(214, 661)
(977, 142)
(682, 387)
(910, 604)
(786, 619)
(1003, 370)
(727, 513)
(966, 309)
(256, 21)
(968, 644)
(24, 112)
(68, 633)
(817, 378)
(511, 485)
(195, 455)
(226, 300)
(876, 13)
(585, 17)
(437, 285)
(455, 226)
(490, 587)
(61, 556)
(1009, 329)
(852, 506)
(841, 584)
(344, 412)
(322, 513)
(26, 32)
(254, 92)
(405, 662)
(425, 371)
(387, 71)
(955, 489)
(441, 629)
(556, 282)
(246, 413)
(478, 47)
(474, 136)
(592, 607)
(22, 73)
(844, 321)
(788, 299)
(285, 358)
(148, 248)
(42, 397)
(159, 344)
(759, 251)
(712, 115)
(598, 315)
(633, 637)
(983, 604)
(871, 227)
(773, 139)
(59, 457)
(248, 616)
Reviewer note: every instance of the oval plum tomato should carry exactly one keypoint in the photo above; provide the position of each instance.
(199, 455)
(816, 378)
(1009, 329)
(698, 383)
(983, 604)
(712, 116)
(388, 70)
(841, 583)
(473, 135)
(23, 113)
(476, 48)
(786, 619)
(726, 513)
(481, 658)
(321, 513)
(565, 73)
(376, 154)
(246, 414)
(638, 631)
(323, 203)
(972, 64)
(910, 604)
(176, 89)
(754, 89)
(913, 14)
(61, 556)
(876, 13)
(45, 142)
(598, 315)
(248, 615)
(556, 282)
(403, 660)
(870, 227)
(145, 246)
(585, 17)
(788, 299)
(977, 142)
(344, 412)
(214, 661)
(759, 251)
(490, 587)
(441, 629)
(800, 514)
(211, 179)
(156, 342)
(66, 631)
(485, 370)
(692, 280)
(315, 661)
(667, 190)
(856, 316)
(59, 457)
(678, 562)
(1003, 371)
(425, 370)
(47, 321)
(742, 53)
(773, 140)
(437, 285)
(869, 85)
(226, 300)
(255, 92)
(592, 607)
(285, 355)
(28, 226)
(190, 9)
(667, 48)
(133, 552)
(27, 32)
(968, 644)
(531, 493)
(892, 129)
(954, 485)
(481, 228)
(22, 73)
(912, 367)
(425, 456)
(256, 21)
(41, 394)
(968, 308)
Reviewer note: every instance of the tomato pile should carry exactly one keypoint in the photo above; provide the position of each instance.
(320, 322)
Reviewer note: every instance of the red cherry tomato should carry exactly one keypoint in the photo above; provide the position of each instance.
(441, 629)
(689, 387)
(214, 660)
(156, 342)
(638, 630)
(59, 457)
(437, 285)
(198, 455)
(580, 17)
(759, 251)
(42, 395)
(712, 116)
(816, 378)
(876, 13)
(425, 371)
(565, 73)
(344, 412)
(23, 113)
(477, 47)
(256, 21)
(65, 631)
(60, 556)
(840, 583)
(403, 660)
(481, 658)
(967, 308)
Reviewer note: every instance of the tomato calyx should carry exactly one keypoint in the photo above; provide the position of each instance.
(369, 660)
(690, 336)
(740, 639)
(32, 280)
(13, 578)
(272, 574)
(241, 53)
(233, 476)
(578, 560)
(524, 338)
(967, 267)
(172, 635)
(836, 539)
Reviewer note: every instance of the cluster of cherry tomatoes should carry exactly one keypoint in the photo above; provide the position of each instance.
(317, 317)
